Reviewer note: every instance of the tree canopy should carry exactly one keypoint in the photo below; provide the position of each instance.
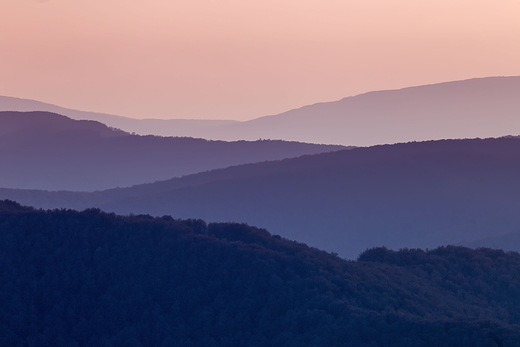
(91, 278)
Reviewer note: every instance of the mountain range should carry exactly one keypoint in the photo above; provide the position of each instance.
(139, 266)
(417, 194)
(481, 107)
(42, 150)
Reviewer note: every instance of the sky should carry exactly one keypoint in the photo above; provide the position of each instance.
(240, 59)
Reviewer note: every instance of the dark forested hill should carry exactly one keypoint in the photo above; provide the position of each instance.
(97, 279)
(423, 194)
(41, 150)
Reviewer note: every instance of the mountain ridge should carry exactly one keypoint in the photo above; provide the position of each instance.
(148, 126)
(421, 194)
(41, 150)
(478, 107)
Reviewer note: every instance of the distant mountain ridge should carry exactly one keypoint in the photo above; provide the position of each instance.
(418, 194)
(14, 122)
(42, 150)
(162, 127)
(480, 107)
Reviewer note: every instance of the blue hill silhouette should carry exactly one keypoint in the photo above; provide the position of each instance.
(418, 194)
(42, 150)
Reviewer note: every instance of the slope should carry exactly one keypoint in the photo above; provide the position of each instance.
(162, 127)
(421, 194)
(96, 279)
(42, 150)
(480, 107)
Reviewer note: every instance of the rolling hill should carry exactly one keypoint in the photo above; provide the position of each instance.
(480, 107)
(418, 194)
(96, 279)
(42, 150)
(161, 127)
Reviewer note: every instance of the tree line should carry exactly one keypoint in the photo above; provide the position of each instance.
(91, 278)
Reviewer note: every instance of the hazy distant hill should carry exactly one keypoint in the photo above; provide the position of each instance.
(509, 241)
(162, 127)
(482, 107)
(42, 150)
(421, 194)
(95, 279)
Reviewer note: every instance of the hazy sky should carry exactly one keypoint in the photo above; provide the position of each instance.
(240, 59)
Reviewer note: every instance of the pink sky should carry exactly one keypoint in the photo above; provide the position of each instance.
(236, 59)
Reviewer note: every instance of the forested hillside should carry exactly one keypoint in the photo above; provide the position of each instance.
(96, 279)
